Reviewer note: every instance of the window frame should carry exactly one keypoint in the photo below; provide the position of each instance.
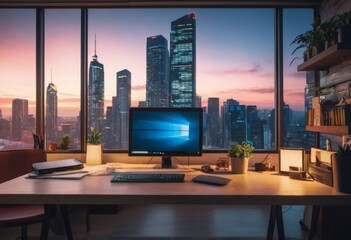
(84, 7)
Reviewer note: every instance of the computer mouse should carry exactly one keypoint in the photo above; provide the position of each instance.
(206, 169)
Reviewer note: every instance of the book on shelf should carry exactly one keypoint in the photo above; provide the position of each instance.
(328, 113)
(317, 112)
(337, 115)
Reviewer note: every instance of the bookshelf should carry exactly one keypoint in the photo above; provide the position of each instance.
(340, 130)
(331, 56)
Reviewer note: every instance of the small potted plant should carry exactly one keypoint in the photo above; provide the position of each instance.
(341, 165)
(65, 141)
(239, 155)
(94, 148)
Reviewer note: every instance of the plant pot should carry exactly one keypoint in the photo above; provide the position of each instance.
(341, 173)
(239, 165)
(52, 146)
(94, 154)
(344, 36)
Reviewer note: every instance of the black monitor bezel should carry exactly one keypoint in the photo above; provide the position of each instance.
(170, 154)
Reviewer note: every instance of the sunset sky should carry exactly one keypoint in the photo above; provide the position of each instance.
(235, 53)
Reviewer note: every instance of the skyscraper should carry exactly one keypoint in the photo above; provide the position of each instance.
(51, 114)
(226, 121)
(19, 117)
(237, 123)
(157, 74)
(183, 61)
(124, 78)
(255, 133)
(213, 122)
(96, 90)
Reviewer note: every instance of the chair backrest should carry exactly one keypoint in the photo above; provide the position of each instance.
(15, 163)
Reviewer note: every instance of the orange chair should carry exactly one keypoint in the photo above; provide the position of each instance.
(13, 164)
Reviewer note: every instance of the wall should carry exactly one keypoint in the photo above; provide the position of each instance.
(329, 8)
(336, 81)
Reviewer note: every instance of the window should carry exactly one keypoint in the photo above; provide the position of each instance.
(62, 77)
(150, 57)
(185, 53)
(17, 77)
(298, 86)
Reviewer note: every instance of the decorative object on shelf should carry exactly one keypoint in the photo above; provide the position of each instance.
(222, 162)
(328, 145)
(52, 146)
(65, 141)
(94, 148)
(38, 141)
(341, 165)
(239, 155)
(346, 140)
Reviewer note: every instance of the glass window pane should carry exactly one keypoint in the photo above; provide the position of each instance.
(17, 77)
(219, 59)
(298, 86)
(62, 77)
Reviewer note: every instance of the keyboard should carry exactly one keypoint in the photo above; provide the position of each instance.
(147, 177)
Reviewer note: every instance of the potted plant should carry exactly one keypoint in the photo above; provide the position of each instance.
(341, 165)
(94, 148)
(316, 39)
(239, 155)
(65, 141)
(343, 22)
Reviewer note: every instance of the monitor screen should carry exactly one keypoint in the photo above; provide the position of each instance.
(165, 132)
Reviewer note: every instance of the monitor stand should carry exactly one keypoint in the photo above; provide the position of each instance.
(166, 163)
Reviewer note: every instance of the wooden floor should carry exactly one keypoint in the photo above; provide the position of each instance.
(175, 222)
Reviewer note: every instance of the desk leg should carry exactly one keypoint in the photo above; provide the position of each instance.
(314, 222)
(49, 211)
(65, 217)
(271, 224)
(276, 215)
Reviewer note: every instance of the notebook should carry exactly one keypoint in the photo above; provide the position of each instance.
(56, 166)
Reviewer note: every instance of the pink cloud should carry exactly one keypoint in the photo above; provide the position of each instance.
(139, 87)
(254, 68)
(267, 90)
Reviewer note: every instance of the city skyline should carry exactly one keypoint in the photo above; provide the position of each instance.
(255, 78)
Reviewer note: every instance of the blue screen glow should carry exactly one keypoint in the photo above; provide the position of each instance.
(165, 131)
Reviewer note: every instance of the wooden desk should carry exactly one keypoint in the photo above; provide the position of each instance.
(254, 188)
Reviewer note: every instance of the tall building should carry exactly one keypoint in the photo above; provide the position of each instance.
(237, 123)
(157, 74)
(255, 130)
(183, 61)
(5, 129)
(51, 126)
(96, 91)
(108, 133)
(124, 78)
(226, 121)
(19, 117)
(213, 123)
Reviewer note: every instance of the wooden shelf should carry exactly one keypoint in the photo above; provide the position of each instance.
(330, 56)
(341, 130)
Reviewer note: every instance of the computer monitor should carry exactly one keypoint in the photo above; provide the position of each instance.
(165, 132)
